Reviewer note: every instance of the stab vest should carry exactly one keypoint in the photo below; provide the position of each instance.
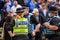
(21, 26)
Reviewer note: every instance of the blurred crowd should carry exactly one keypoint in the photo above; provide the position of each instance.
(10, 6)
(41, 5)
(30, 7)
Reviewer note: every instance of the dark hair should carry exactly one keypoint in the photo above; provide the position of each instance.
(5, 13)
(59, 12)
(1, 4)
(8, 19)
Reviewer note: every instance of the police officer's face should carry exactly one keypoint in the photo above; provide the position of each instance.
(53, 14)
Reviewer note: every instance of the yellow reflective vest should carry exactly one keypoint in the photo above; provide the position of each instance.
(21, 26)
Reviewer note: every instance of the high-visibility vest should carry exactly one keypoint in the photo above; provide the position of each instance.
(21, 26)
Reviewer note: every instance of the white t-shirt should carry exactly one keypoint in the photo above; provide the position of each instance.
(44, 11)
(13, 8)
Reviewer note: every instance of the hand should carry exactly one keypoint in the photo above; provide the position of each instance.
(33, 33)
(13, 35)
(53, 27)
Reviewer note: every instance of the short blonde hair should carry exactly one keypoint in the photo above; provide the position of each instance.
(35, 10)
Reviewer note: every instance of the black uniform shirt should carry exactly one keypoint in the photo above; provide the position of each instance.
(41, 20)
(7, 28)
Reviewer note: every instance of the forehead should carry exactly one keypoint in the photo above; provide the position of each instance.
(26, 8)
(53, 12)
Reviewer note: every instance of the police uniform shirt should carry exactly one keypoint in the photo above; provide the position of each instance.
(55, 21)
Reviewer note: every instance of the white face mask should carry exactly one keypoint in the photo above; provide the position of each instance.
(49, 14)
(57, 16)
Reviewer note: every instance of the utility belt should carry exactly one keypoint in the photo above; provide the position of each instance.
(51, 35)
(20, 37)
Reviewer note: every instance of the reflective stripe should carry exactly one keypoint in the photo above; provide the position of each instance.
(22, 26)
(20, 30)
(48, 31)
(21, 33)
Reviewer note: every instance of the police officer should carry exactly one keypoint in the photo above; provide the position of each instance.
(30, 26)
(21, 25)
(17, 28)
(54, 20)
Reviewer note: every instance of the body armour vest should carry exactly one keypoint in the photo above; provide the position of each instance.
(53, 21)
(21, 26)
